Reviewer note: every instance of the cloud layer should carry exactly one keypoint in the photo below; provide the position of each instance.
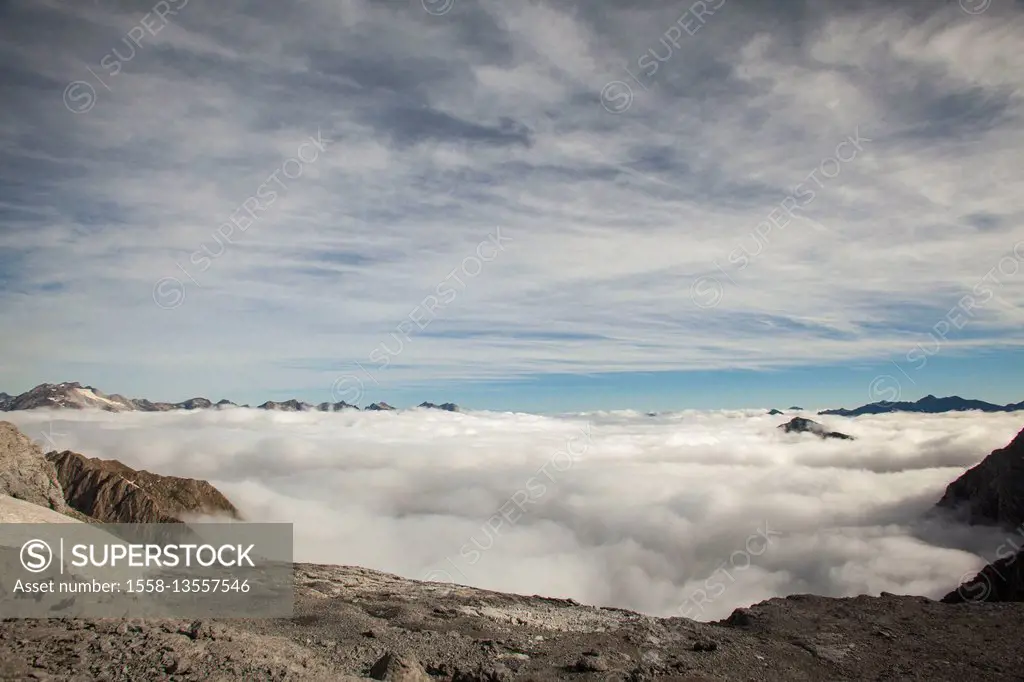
(691, 513)
(654, 238)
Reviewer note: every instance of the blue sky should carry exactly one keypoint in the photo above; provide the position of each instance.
(542, 206)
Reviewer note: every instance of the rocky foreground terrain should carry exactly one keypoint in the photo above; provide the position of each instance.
(353, 623)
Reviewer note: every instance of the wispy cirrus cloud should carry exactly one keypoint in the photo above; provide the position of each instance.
(446, 123)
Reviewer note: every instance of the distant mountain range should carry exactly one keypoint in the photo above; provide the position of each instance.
(74, 396)
(927, 405)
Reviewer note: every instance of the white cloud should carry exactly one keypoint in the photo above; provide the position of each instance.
(616, 509)
(613, 216)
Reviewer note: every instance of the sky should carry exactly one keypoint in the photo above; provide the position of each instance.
(688, 514)
(526, 206)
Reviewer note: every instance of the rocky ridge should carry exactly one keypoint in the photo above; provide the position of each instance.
(111, 492)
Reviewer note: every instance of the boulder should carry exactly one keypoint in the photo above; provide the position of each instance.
(398, 668)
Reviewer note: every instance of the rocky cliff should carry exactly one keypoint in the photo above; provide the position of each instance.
(993, 491)
(24, 472)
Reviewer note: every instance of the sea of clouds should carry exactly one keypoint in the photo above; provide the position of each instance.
(688, 514)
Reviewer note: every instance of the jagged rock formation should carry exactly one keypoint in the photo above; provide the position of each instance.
(448, 407)
(25, 474)
(379, 407)
(109, 491)
(927, 405)
(774, 412)
(801, 425)
(993, 491)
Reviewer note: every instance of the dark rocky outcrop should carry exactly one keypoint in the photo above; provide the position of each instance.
(927, 405)
(1000, 581)
(801, 425)
(794, 408)
(993, 491)
(774, 412)
(25, 473)
(379, 407)
(286, 406)
(112, 492)
(448, 407)
(335, 407)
